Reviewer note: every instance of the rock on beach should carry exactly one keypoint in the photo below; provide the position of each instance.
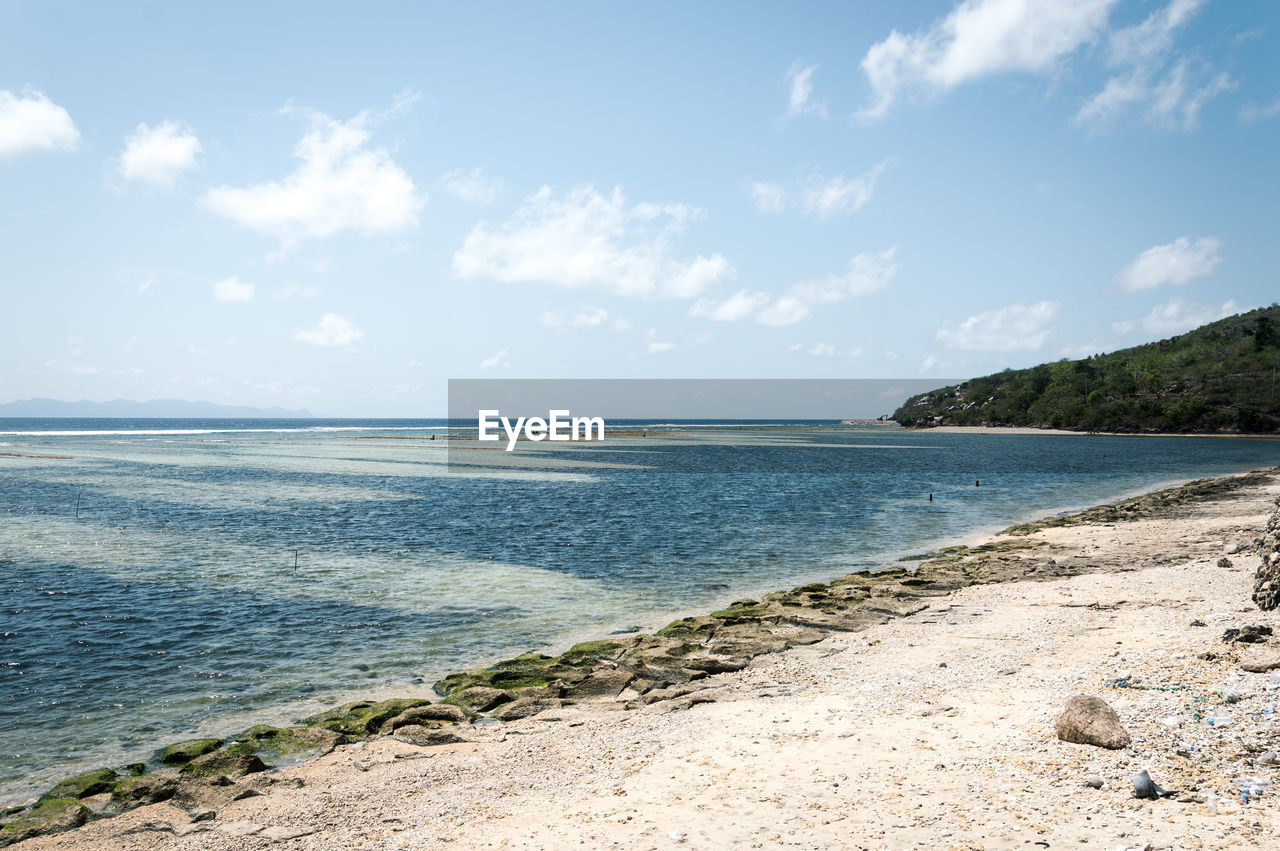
(1088, 720)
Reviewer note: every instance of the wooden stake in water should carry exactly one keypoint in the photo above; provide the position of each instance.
(295, 561)
(78, 502)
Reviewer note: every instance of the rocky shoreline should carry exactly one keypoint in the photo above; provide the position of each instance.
(664, 670)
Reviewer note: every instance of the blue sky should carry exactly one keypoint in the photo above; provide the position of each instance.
(339, 207)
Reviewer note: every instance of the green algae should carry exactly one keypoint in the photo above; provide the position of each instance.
(83, 785)
(52, 816)
(180, 753)
(363, 717)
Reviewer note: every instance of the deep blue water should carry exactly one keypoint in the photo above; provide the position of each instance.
(172, 604)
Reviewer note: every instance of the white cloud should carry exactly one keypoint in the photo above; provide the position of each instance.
(1165, 91)
(299, 291)
(32, 122)
(583, 317)
(784, 310)
(1176, 262)
(800, 99)
(331, 330)
(586, 240)
(817, 195)
(157, 155)
(1249, 113)
(825, 350)
(471, 186)
(1177, 100)
(230, 291)
(977, 39)
(339, 184)
(1152, 38)
(866, 273)
(1177, 315)
(769, 197)
(735, 308)
(1018, 327)
(656, 346)
(498, 360)
(825, 198)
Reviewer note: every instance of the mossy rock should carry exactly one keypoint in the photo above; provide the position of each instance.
(431, 714)
(508, 677)
(252, 740)
(742, 611)
(130, 792)
(363, 717)
(455, 683)
(52, 816)
(83, 785)
(183, 752)
(286, 742)
(696, 628)
(587, 652)
(525, 662)
(258, 731)
(297, 740)
(224, 764)
(604, 682)
(547, 692)
(416, 734)
(888, 572)
(479, 698)
(524, 708)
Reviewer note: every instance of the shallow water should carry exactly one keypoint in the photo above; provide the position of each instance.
(172, 605)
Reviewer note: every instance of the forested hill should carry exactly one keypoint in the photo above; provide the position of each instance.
(1219, 378)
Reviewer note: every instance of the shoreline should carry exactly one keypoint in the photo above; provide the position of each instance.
(227, 724)
(228, 721)
(742, 640)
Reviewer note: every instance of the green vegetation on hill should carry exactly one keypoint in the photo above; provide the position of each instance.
(1219, 378)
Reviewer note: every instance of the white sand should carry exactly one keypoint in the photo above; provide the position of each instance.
(863, 740)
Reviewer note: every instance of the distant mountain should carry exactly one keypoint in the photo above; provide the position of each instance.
(1219, 378)
(156, 408)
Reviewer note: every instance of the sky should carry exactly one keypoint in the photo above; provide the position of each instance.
(340, 206)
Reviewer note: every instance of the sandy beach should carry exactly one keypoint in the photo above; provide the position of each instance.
(931, 730)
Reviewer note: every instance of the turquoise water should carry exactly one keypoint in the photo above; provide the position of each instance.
(171, 605)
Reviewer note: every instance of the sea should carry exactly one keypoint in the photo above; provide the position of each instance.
(166, 579)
